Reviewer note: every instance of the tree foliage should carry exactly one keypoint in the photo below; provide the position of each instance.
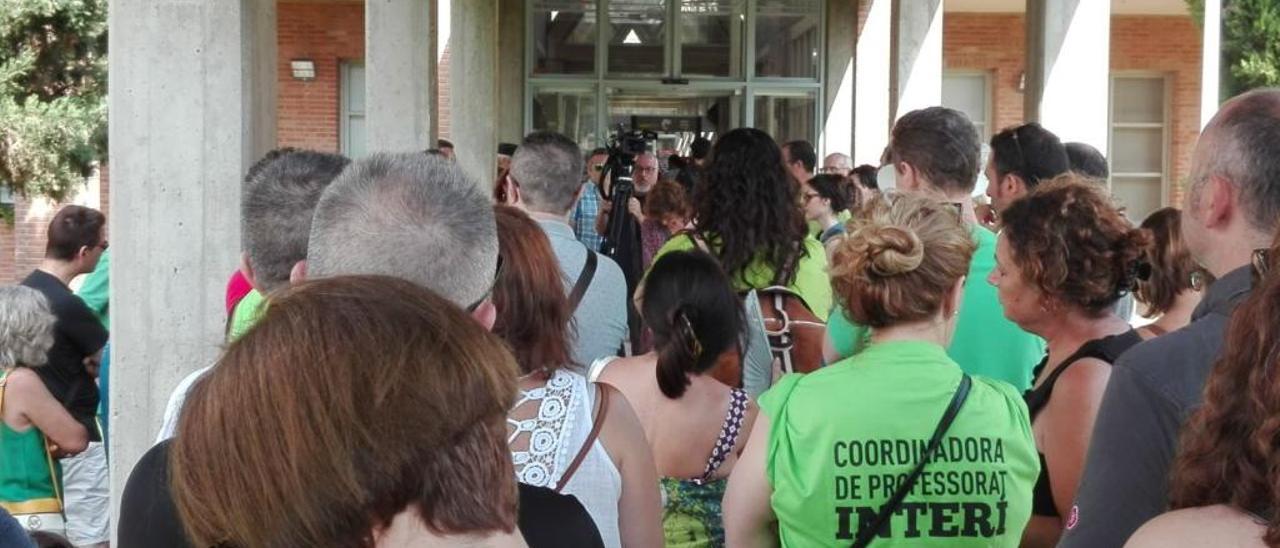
(53, 112)
(1250, 43)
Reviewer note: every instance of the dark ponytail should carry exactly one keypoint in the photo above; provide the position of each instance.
(683, 348)
(694, 314)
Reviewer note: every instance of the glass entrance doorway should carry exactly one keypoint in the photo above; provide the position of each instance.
(681, 68)
(677, 117)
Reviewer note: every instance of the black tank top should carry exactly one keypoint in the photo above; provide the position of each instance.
(1107, 349)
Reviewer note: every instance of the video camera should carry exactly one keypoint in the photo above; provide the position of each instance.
(623, 148)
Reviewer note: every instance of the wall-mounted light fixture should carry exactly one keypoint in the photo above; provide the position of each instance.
(303, 69)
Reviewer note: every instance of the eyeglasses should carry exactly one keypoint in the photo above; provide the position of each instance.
(649, 169)
(1022, 157)
(598, 168)
(810, 195)
(103, 245)
(834, 170)
(497, 273)
(1261, 264)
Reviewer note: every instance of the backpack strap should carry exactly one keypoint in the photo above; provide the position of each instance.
(584, 280)
(866, 533)
(601, 412)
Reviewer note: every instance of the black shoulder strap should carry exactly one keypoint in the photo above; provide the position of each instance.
(584, 280)
(865, 534)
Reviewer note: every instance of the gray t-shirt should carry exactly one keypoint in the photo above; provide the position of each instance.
(601, 317)
(1154, 388)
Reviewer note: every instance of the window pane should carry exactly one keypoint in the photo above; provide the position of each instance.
(787, 38)
(1138, 195)
(564, 36)
(1137, 150)
(638, 36)
(786, 117)
(711, 37)
(572, 113)
(354, 88)
(966, 93)
(355, 141)
(1138, 100)
(676, 112)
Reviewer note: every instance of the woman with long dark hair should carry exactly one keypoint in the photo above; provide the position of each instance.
(696, 425)
(1225, 487)
(747, 214)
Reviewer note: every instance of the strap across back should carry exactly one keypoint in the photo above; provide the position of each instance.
(728, 438)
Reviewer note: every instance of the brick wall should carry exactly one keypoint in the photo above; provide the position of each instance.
(6, 253)
(328, 34)
(1168, 45)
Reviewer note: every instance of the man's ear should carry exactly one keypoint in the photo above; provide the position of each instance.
(486, 314)
(1218, 202)
(1014, 186)
(246, 268)
(298, 273)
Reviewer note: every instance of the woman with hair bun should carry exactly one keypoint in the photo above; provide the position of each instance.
(1171, 283)
(894, 444)
(695, 425)
(1064, 257)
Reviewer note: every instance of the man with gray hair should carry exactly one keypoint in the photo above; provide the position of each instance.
(837, 163)
(277, 201)
(411, 216)
(1231, 212)
(547, 166)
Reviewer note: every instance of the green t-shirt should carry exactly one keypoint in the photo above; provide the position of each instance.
(843, 436)
(985, 342)
(815, 230)
(94, 291)
(246, 314)
(810, 282)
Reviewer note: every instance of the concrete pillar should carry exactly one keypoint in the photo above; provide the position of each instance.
(473, 82)
(511, 45)
(1068, 68)
(192, 98)
(1211, 61)
(842, 30)
(917, 55)
(871, 103)
(399, 79)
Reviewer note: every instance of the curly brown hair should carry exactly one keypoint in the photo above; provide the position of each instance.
(1069, 240)
(1171, 267)
(667, 198)
(1228, 455)
(902, 254)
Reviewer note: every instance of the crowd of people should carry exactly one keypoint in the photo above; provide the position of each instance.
(414, 358)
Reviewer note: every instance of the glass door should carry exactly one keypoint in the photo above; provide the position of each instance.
(678, 117)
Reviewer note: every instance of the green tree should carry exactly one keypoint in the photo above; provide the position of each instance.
(1250, 43)
(53, 111)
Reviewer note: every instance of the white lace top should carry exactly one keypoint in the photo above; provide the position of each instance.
(566, 405)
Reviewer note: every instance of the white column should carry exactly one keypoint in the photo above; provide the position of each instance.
(917, 55)
(473, 79)
(871, 102)
(399, 55)
(192, 98)
(842, 28)
(1068, 68)
(1211, 61)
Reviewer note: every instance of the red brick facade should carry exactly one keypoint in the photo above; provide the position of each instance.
(327, 34)
(1166, 45)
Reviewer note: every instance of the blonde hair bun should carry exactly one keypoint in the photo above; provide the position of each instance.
(891, 250)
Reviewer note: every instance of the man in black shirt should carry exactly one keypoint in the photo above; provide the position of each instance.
(75, 243)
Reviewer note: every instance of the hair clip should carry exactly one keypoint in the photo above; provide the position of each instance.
(694, 345)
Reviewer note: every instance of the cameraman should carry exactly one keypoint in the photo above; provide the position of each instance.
(628, 248)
